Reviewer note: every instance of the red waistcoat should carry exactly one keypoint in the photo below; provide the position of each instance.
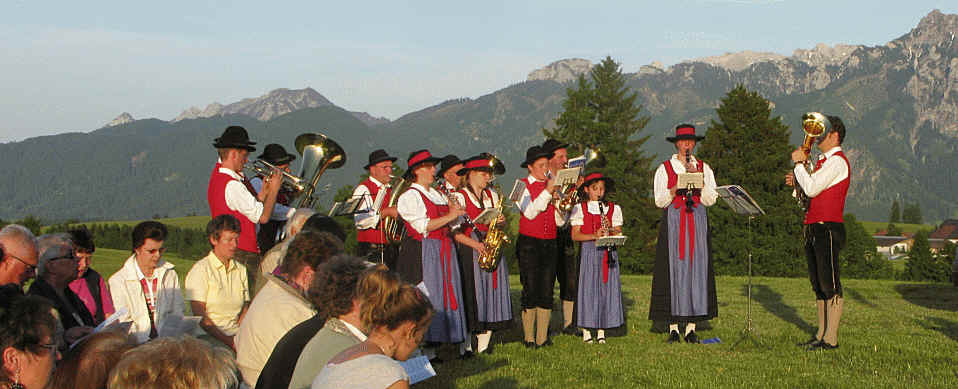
(216, 197)
(374, 235)
(433, 211)
(593, 222)
(829, 206)
(544, 224)
(473, 210)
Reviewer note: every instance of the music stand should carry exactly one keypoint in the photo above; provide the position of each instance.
(347, 208)
(741, 203)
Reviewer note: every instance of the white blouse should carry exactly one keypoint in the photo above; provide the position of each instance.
(578, 218)
(413, 209)
(661, 183)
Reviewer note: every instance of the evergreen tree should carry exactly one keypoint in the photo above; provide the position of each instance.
(893, 230)
(922, 265)
(895, 216)
(911, 214)
(748, 147)
(601, 112)
(859, 258)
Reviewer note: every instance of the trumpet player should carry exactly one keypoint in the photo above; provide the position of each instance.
(226, 194)
(567, 265)
(269, 233)
(683, 279)
(485, 293)
(375, 191)
(824, 231)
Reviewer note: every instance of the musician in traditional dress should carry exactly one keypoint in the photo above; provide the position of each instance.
(270, 232)
(375, 192)
(599, 298)
(567, 265)
(427, 257)
(227, 194)
(448, 174)
(683, 279)
(536, 248)
(486, 293)
(824, 231)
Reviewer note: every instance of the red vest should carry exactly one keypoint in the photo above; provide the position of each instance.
(674, 179)
(433, 211)
(829, 206)
(544, 224)
(473, 210)
(216, 197)
(374, 235)
(593, 222)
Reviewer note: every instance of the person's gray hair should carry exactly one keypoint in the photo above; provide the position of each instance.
(19, 233)
(50, 246)
(297, 220)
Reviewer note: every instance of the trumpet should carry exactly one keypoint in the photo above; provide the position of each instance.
(568, 192)
(265, 169)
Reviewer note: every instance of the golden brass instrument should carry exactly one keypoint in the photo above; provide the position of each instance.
(265, 169)
(319, 153)
(495, 238)
(393, 228)
(814, 124)
(569, 194)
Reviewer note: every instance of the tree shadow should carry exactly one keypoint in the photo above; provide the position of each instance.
(500, 383)
(854, 295)
(947, 327)
(772, 302)
(932, 296)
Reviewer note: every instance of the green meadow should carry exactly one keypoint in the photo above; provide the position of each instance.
(872, 227)
(894, 334)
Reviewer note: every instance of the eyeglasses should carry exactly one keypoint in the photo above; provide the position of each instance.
(29, 266)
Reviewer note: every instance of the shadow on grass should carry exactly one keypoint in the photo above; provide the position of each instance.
(854, 295)
(772, 302)
(947, 327)
(933, 296)
(501, 383)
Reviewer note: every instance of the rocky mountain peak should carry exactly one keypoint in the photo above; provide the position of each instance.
(124, 118)
(739, 61)
(935, 28)
(823, 54)
(562, 70)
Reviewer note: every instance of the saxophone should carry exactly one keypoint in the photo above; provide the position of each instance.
(489, 259)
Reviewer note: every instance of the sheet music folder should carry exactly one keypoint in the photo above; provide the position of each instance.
(347, 208)
(738, 199)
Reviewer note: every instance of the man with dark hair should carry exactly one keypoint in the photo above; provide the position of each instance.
(227, 194)
(89, 285)
(824, 232)
(282, 304)
(18, 255)
(216, 286)
(336, 325)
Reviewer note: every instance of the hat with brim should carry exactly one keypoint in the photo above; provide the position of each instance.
(533, 154)
(483, 162)
(276, 155)
(417, 158)
(596, 177)
(448, 162)
(551, 145)
(377, 157)
(234, 137)
(684, 131)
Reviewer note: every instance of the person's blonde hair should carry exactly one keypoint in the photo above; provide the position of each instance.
(175, 363)
(388, 302)
(88, 364)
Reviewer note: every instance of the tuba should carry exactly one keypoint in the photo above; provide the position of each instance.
(814, 124)
(569, 193)
(495, 238)
(393, 228)
(319, 153)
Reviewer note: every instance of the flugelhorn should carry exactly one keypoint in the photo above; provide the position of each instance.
(568, 192)
(814, 124)
(265, 169)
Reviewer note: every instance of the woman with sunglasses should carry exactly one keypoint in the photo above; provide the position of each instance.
(147, 286)
(27, 340)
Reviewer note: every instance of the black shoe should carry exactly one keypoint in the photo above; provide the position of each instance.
(548, 342)
(569, 330)
(691, 337)
(809, 343)
(467, 355)
(674, 337)
(821, 345)
(531, 345)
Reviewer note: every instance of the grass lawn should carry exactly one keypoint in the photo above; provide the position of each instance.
(894, 334)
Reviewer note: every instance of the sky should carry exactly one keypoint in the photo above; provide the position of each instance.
(74, 66)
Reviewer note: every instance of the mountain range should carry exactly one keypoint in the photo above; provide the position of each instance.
(898, 100)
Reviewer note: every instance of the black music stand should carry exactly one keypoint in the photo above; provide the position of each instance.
(347, 208)
(741, 203)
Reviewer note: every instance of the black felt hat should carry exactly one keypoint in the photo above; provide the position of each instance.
(447, 163)
(417, 158)
(534, 153)
(377, 157)
(684, 131)
(276, 155)
(234, 137)
(551, 145)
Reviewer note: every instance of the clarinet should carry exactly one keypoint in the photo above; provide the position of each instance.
(688, 191)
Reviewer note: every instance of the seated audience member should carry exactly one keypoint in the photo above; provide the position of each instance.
(56, 268)
(28, 344)
(87, 365)
(396, 322)
(326, 224)
(89, 286)
(332, 293)
(146, 285)
(281, 304)
(18, 262)
(275, 255)
(216, 286)
(175, 363)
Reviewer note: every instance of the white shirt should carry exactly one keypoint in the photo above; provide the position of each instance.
(413, 209)
(577, 218)
(529, 207)
(661, 182)
(832, 171)
(239, 199)
(369, 218)
(280, 211)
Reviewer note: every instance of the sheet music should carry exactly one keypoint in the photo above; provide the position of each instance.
(739, 200)
(418, 369)
(696, 179)
(611, 241)
(486, 217)
(568, 176)
(517, 190)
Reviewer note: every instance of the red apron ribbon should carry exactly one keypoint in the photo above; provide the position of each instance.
(445, 259)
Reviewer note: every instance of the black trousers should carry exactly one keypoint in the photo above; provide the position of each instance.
(537, 271)
(823, 241)
(386, 254)
(567, 265)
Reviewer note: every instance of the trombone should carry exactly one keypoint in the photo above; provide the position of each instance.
(265, 169)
